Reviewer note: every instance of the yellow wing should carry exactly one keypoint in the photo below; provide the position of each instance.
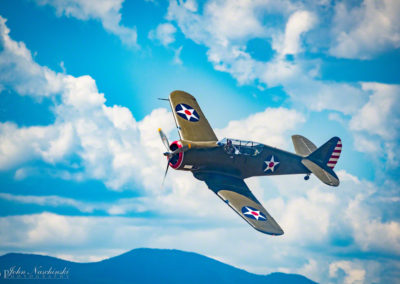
(238, 196)
(190, 120)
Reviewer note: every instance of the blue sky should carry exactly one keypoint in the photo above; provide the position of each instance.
(80, 156)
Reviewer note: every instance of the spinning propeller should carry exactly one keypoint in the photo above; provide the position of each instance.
(170, 154)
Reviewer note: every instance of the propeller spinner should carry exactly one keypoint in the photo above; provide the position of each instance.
(170, 154)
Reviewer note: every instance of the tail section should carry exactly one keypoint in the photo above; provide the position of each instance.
(322, 161)
(328, 154)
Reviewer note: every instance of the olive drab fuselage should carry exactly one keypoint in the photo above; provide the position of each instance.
(238, 163)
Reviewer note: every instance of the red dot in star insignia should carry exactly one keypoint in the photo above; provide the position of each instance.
(271, 164)
(254, 213)
(188, 112)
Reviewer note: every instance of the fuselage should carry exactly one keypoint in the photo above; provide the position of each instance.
(236, 159)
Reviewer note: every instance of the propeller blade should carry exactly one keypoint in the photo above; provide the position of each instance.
(164, 139)
(165, 174)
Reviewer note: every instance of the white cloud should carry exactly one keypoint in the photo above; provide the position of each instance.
(380, 115)
(311, 214)
(49, 228)
(298, 23)
(299, 82)
(353, 275)
(119, 207)
(52, 200)
(177, 56)
(225, 27)
(19, 145)
(107, 11)
(377, 123)
(365, 30)
(366, 227)
(103, 137)
(268, 127)
(237, 20)
(18, 70)
(190, 5)
(164, 33)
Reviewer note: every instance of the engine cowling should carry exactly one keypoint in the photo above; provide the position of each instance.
(177, 159)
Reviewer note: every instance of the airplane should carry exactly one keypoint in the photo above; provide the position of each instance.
(224, 164)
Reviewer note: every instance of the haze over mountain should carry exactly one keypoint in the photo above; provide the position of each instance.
(136, 266)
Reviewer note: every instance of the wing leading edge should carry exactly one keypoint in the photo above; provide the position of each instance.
(238, 196)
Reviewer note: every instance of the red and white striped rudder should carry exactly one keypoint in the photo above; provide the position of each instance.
(335, 155)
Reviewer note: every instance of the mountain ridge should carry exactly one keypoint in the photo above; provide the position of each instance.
(142, 265)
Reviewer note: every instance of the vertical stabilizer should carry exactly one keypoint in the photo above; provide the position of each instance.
(322, 161)
(328, 154)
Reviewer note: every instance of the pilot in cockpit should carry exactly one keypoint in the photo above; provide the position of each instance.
(229, 147)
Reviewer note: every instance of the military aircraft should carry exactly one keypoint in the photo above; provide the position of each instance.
(224, 164)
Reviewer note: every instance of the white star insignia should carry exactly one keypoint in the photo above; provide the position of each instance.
(255, 213)
(189, 113)
(271, 164)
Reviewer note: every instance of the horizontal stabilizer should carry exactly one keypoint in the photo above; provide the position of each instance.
(327, 176)
(303, 146)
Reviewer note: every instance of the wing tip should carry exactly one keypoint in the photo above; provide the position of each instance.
(182, 93)
(277, 232)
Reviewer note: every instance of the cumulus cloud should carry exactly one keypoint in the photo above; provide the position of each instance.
(120, 207)
(299, 77)
(105, 138)
(106, 11)
(227, 50)
(332, 222)
(365, 30)
(322, 213)
(298, 23)
(19, 145)
(353, 274)
(268, 127)
(237, 21)
(379, 117)
(18, 70)
(164, 33)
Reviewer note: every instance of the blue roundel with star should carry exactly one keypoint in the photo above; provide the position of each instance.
(253, 213)
(187, 112)
(271, 164)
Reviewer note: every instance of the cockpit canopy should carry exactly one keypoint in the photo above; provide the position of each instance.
(240, 147)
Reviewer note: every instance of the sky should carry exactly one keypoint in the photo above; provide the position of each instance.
(81, 161)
